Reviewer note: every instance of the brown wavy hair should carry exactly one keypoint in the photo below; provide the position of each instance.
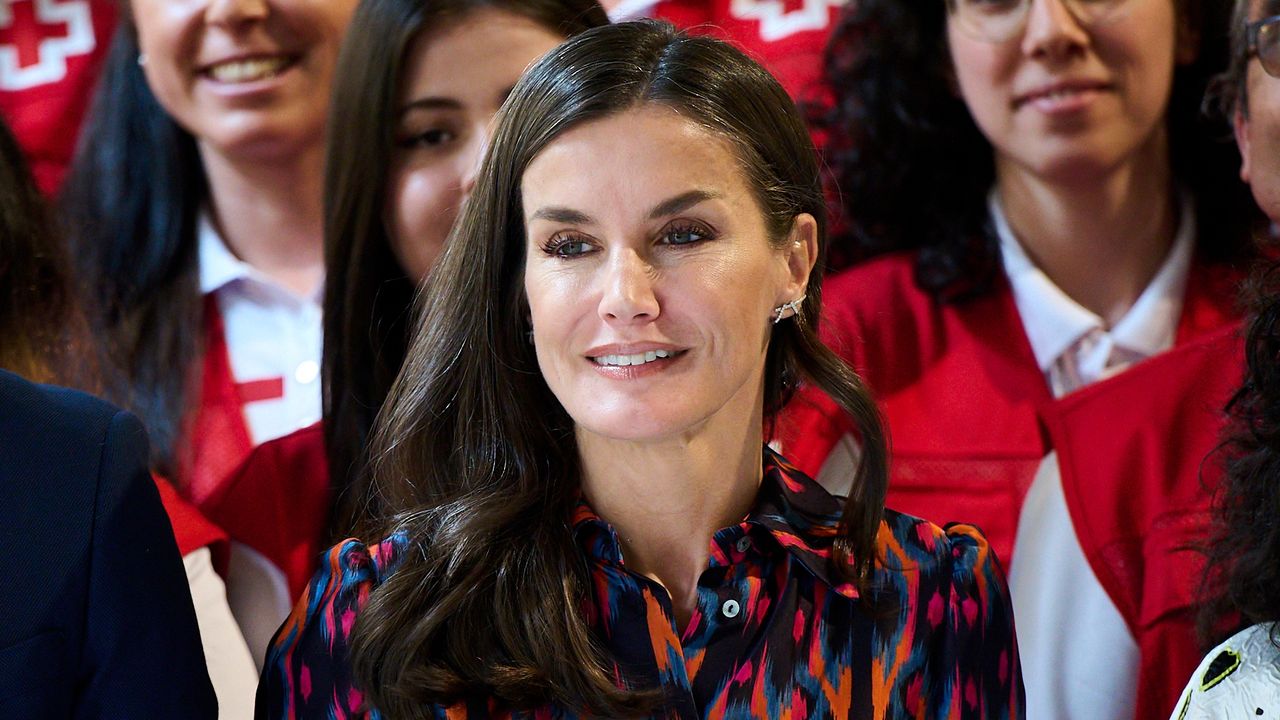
(478, 454)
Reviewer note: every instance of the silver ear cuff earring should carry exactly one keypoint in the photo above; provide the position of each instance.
(780, 312)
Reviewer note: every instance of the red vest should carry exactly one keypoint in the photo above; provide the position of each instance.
(971, 417)
(273, 498)
(50, 55)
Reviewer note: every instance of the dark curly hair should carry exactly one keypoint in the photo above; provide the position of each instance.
(898, 132)
(1242, 571)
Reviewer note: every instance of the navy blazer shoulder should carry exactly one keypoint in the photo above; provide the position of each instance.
(98, 620)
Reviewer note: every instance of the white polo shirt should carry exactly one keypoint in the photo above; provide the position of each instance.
(1078, 658)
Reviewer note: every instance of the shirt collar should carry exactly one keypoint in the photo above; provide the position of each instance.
(1054, 321)
(218, 266)
(798, 513)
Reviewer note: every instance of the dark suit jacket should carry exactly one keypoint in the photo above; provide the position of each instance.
(96, 619)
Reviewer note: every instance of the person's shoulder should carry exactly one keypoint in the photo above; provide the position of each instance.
(1238, 678)
(911, 544)
(34, 409)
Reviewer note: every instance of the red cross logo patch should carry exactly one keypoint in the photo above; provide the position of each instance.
(38, 36)
(780, 18)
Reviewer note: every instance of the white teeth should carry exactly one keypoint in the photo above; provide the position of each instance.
(237, 71)
(636, 359)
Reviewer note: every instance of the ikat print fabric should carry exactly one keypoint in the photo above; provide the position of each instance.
(778, 631)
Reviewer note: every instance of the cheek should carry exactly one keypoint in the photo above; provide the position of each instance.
(424, 206)
(982, 72)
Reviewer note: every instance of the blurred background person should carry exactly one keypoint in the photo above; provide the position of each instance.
(417, 86)
(1039, 204)
(588, 384)
(1242, 584)
(99, 620)
(194, 213)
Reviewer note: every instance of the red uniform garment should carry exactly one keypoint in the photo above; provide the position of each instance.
(1132, 452)
(959, 386)
(971, 417)
(788, 37)
(277, 503)
(50, 55)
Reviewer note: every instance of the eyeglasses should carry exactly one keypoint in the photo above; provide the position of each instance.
(1001, 20)
(1264, 41)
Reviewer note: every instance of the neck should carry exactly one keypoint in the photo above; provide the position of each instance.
(667, 499)
(271, 215)
(1123, 223)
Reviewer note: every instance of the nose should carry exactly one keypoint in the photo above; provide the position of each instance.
(627, 296)
(236, 12)
(1053, 31)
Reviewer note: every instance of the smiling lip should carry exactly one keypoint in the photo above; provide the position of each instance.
(1063, 96)
(632, 360)
(247, 68)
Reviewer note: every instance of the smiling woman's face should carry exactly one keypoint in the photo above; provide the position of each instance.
(650, 277)
(456, 79)
(249, 79)
(1069, 98)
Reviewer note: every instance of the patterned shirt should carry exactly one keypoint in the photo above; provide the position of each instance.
(778, 632)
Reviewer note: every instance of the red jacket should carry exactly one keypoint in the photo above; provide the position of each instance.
(971, 417)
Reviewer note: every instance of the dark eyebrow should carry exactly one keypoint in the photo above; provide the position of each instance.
(431, 103)
(673, 206)
(564, 215)
(682, 202)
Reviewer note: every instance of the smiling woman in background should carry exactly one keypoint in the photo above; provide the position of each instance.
(417, 86)
(1041, 205)
(194, 212)
(587, 521)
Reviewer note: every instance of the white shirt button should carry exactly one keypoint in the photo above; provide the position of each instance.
(730, 609)
(744, 543)
(307, 372)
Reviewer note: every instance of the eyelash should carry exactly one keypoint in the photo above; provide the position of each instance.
(559, 241)
(420, 139)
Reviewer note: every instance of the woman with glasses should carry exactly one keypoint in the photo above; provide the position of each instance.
(588, 524)
(1039, 204)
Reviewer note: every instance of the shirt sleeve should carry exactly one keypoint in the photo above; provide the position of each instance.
(307, 671)
(983, 647)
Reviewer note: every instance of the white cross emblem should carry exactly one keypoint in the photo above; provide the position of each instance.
(52, 52)
(776, 22)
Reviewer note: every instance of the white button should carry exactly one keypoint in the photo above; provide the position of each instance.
(744, 543)
(730, 608)
(307, 372)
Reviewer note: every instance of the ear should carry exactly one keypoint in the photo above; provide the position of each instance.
(1240, 124)
(800, 253)
(1188, 41)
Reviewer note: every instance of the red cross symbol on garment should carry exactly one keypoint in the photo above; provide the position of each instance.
(38, 36)
(780, 18)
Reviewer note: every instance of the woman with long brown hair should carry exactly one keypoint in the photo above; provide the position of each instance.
(585, 520)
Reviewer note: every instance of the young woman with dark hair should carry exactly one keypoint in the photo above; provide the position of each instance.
(193, 210)
(626, 301)
(416, 89)
(1037, 203)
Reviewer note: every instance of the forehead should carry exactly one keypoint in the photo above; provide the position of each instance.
(633, 158)
(479, 53)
